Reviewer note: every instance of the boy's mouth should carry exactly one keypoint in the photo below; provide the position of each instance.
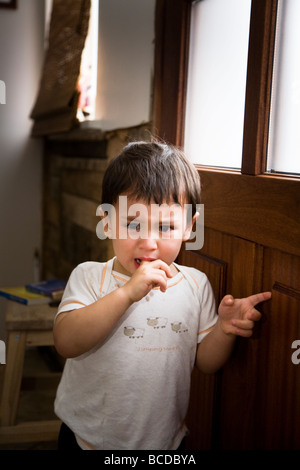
(138, 261)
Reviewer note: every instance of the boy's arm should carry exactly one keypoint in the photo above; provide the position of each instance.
(78, 331)
(236, 318)
(214, 350)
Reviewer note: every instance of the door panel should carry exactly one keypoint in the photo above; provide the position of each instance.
(279, 407)
(253, 402)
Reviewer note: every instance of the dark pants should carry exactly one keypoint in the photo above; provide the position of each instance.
(67, 440)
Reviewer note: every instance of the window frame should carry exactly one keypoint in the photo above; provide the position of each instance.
(258, 86)
(172, 30)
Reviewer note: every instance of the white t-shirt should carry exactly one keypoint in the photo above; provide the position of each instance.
(132, 391)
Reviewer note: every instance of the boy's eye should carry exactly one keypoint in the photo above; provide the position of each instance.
(134, 226)
(165, 228)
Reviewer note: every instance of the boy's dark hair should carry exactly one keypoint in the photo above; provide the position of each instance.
(152, 172)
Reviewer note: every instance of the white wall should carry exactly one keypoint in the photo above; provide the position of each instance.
(125, 62)
(126, 45)
(21, 56)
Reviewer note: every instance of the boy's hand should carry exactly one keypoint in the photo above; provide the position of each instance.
(150, 274)
(238, 316)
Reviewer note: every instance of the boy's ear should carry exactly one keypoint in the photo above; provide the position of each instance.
(189, 227)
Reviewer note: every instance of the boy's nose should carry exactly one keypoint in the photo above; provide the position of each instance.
(148, 243)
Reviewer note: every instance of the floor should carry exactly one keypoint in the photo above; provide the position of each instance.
(42, 370)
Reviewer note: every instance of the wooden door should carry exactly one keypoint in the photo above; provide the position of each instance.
(253, 402)
(251, 244)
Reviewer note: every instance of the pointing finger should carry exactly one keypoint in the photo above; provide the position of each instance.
(258, 298)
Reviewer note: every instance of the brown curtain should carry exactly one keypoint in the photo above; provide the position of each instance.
(56, 104)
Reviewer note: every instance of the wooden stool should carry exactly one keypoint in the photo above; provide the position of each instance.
(26, 326)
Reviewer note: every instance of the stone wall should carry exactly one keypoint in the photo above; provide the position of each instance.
(74, 164)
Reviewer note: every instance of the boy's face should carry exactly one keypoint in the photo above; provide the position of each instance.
(146, 232)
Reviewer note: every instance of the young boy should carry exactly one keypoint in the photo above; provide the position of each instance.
(133, 328)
